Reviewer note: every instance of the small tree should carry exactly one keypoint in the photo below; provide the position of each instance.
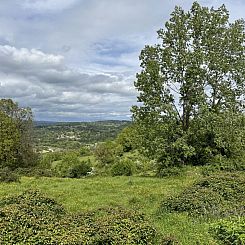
(107, 152)
(9, 141)
(193, 78)
(127, 138)
(16, 146)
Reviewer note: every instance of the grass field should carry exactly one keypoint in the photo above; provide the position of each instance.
(141, 193)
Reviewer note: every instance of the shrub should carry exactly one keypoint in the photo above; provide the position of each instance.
(230, 231)
(69, 160)
(47, 159)
(221, 163)
(123, 167)
(169, 171)
(79, 170)
(34, 172)
(33, 218)
(7, 176)
(107, 152)
(217, 195)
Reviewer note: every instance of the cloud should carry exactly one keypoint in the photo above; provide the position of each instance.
(43, 82)
(48, 5)
(76, 59)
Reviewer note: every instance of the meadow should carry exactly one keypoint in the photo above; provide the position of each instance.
(144, 194)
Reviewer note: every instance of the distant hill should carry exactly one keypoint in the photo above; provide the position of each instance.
(72, 135)
(43, 123)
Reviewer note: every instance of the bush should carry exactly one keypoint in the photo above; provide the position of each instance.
(230, 231)
(221, 163)
(124, 167)
(7, 176)
(47, 159)
(33, 218)
(79, 170)
(69, 160)
(170, 171)
(107, 152)
(34, 172)
(217, 196)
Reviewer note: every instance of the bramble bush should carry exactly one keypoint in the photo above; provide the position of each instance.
(79, 170)
(7, 176)
(33, 218)
(222, 163)
(230, 231)
(123, 167)
(218, 195)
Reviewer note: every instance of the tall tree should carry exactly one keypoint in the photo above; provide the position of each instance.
(198, 68)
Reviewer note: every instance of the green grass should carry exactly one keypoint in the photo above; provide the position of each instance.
(141, 193)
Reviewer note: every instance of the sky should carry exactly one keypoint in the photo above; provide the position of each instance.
(76, 60)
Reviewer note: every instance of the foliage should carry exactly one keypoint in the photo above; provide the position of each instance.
(34, 172)
(70, 166)
(231, 231)
(10, 140)
(127, 138)
(221, 138)
(79, 170)
(32, 218)
(84, 151)
(7, 176)
(221, 163)
(123, 167)
(218, 195)
(107, 152)
(191, 89)
(47, 159)
(169, 240)
(16, 147)
(170, 171)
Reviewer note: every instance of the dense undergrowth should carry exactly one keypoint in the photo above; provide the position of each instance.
(219, 198)
(230, 231)
(33, 218)
(218, 195)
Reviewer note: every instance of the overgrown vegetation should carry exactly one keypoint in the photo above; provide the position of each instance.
(143, 194)
(32, 218)
(230, 231)
(217, 195)
(7, 176)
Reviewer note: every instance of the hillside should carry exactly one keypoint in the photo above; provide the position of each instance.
(49, 136)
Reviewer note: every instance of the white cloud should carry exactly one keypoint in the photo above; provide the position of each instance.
(78, 59)
(24, 56)
(45, 83)
(48, 5)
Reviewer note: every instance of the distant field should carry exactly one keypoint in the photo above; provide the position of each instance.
(141, 193)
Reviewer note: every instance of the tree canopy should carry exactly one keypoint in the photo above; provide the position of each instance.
(192, 86)
(15, 134)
